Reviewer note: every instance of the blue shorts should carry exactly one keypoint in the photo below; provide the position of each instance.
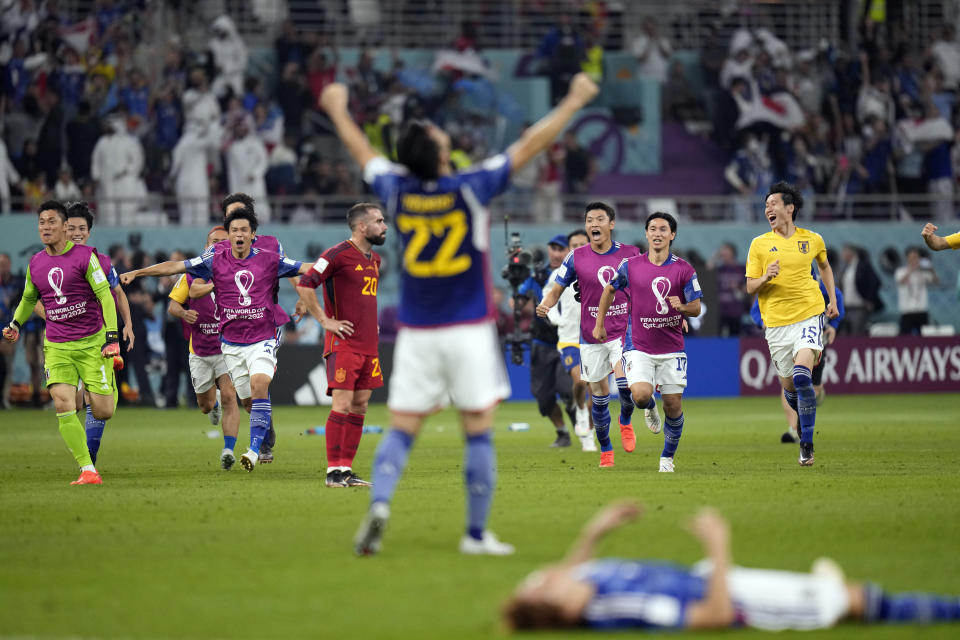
(570, 356)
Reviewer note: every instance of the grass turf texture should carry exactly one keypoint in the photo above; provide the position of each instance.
(171, 546)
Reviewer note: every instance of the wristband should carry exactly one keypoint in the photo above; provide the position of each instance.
(113, 337)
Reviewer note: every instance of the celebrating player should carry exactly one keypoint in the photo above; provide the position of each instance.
(350, 272)
(778, 270)
(609, 594)
(594, 266)
(269, 243)
(447, 345)
(81, 340)
(79, 225)
(663, 290)
(208, 367)
(566, 315)
(939, 243)
(244, 279)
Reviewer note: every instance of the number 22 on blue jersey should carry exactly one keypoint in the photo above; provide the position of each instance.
(451, 228)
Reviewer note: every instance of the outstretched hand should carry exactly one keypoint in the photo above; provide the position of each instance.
(613, 516)
(128, 277)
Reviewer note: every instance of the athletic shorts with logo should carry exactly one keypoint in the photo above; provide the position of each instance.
(786, 341)
(353, 371)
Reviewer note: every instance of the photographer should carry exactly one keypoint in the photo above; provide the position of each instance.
(548, 377)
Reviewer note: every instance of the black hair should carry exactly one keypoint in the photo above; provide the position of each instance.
(247, 201)
(790, 195)
(357, 211)
(577, 232)
(243, 213)
(81, 209)
(418, 151)
(53, 205)
(733, 247)
(603, 206)
(661, 215)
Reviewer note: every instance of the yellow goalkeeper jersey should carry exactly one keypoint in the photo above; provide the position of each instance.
(792, 295)
(953, 240)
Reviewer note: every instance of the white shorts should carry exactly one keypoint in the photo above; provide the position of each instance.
(666, 372)
(205, 370)
(598, 360)
(248, 360)
(460, 363)
(784, 342)
(776, 600)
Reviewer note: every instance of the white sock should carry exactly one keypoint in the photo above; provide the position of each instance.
(88, 467)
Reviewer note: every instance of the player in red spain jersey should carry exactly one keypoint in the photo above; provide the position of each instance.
(348, 272)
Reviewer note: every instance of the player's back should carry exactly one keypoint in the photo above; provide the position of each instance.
(445, 230)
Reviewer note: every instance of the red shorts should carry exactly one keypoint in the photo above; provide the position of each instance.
(353, 371)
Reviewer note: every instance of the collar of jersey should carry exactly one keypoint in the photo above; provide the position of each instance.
(613, 247)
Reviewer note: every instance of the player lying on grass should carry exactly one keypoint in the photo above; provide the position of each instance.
(612, 593)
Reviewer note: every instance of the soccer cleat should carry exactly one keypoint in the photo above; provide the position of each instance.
(350, 479)
(652, 418)
(563, 440)
(581, 426)
(227, 459)
(489, 545)
(789, 437)
(606, 458)
(806, 454)
(215, 414)
(627, 437)
(369, 538)
(666, 465)
(266, 454)
(588, 442)
(335, 479)
(249, 460)
(88, 477)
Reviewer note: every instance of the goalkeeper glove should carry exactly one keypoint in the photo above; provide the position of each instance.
(111, 347)
(12, 331)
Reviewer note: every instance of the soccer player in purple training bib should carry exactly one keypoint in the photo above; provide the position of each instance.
(447, 346)
(81, 339)
(593, 266)
(663, 289)
(244, 280)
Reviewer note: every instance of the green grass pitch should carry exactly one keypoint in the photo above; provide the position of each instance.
(172, 547)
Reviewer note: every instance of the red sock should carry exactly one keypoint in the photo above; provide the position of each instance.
(352, 432)
(336, 425)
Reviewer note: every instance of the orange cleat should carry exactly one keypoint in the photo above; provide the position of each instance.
(606, 458)
(88, 477)
(627, 437)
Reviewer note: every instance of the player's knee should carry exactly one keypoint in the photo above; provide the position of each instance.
(102, 412)
(672, 407)
(358, 408)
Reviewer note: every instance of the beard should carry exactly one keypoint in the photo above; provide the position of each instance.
(376, 240)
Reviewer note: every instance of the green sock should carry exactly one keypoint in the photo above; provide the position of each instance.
(76, 438)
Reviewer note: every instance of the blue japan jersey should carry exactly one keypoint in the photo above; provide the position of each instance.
(632, 593)
(444, 227)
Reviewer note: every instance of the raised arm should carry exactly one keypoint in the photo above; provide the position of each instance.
(168, 268)
(611, 517)
(715, 610)
(539, 136)
(333, 100)
(934, 242)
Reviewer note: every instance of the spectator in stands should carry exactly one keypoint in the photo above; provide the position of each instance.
(83, 131)
(247, 164)
(912, 281)
(188, 170)
(50, 139)
(366, 88)
(318, 176)
(8, 176)
(268, 120)
(861, 290)
(35, 190)
(938, 164)
(560, 54)
(680, 102)
(548, 207)
(201, 111)
(116, 165)
(877, 165)
(320, 73)
(282, 173)
(731, 289)
(289, 46)
(748, 175)
(579, 168)
(293, 97)
(652, 51)
(66, 189)
(230, 57)
(945, 53)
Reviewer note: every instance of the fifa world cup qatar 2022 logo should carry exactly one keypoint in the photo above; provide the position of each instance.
(55, 279)
(606, 274)
(661, 289)
(244, 280)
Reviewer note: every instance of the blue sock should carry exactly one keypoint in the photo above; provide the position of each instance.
(908, 607)
(229, 442)
(626, 401)
(480, 475)
(388, 464)
(806, 402)
(672, 430)
(259, 423)
(601, 422)
(791, 397)
(652, 404)
(94, 430)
